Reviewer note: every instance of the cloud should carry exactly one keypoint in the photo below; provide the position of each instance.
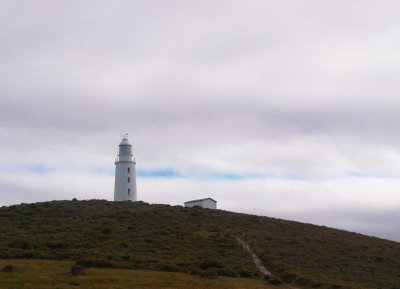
(264, 105)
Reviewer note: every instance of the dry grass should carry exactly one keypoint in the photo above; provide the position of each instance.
(56, 274)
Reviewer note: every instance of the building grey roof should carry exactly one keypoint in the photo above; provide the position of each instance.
(200, 200)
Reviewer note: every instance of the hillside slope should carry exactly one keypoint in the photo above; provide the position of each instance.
(198, 241)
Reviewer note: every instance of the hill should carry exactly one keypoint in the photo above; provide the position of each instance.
(125, 235)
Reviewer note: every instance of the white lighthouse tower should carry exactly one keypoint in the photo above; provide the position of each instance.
(125, 173)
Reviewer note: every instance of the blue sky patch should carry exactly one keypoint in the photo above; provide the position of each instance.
(362, 175)
(159, 173)
(233, 176)
(39, 169)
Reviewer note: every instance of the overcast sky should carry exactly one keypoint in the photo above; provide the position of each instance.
(287, 109)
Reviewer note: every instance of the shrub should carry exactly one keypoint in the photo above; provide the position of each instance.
(195, 271)
(302, 281)
(169, 268)
(289, 277)
(209, 263)
(78, 269)
(267, 277)
(96, 263)
(274, 281)
(315, 284)
(26, 255)
(211, 273)
(106, 231)
(8, 268)
(225, 272)
(19, 242)
(245, 273)
(55, 245)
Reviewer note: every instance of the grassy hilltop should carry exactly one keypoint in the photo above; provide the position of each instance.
(122, 235)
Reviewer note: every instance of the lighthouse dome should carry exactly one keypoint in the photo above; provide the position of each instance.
(125, 142)
(125, 148)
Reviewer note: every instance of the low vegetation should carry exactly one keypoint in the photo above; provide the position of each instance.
(46, 274)
(99, 235)
(128, 235)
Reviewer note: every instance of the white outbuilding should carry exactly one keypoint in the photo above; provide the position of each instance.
(125, 173)
(207, 203)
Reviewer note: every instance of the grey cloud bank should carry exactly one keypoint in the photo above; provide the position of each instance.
(303, 94)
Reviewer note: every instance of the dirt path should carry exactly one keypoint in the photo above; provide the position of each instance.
(257, 261)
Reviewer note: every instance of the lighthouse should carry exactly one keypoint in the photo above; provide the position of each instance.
(125, 173)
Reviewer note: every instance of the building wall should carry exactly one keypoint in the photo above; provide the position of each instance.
(209, 204)
(193, 204)
(121, 181)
